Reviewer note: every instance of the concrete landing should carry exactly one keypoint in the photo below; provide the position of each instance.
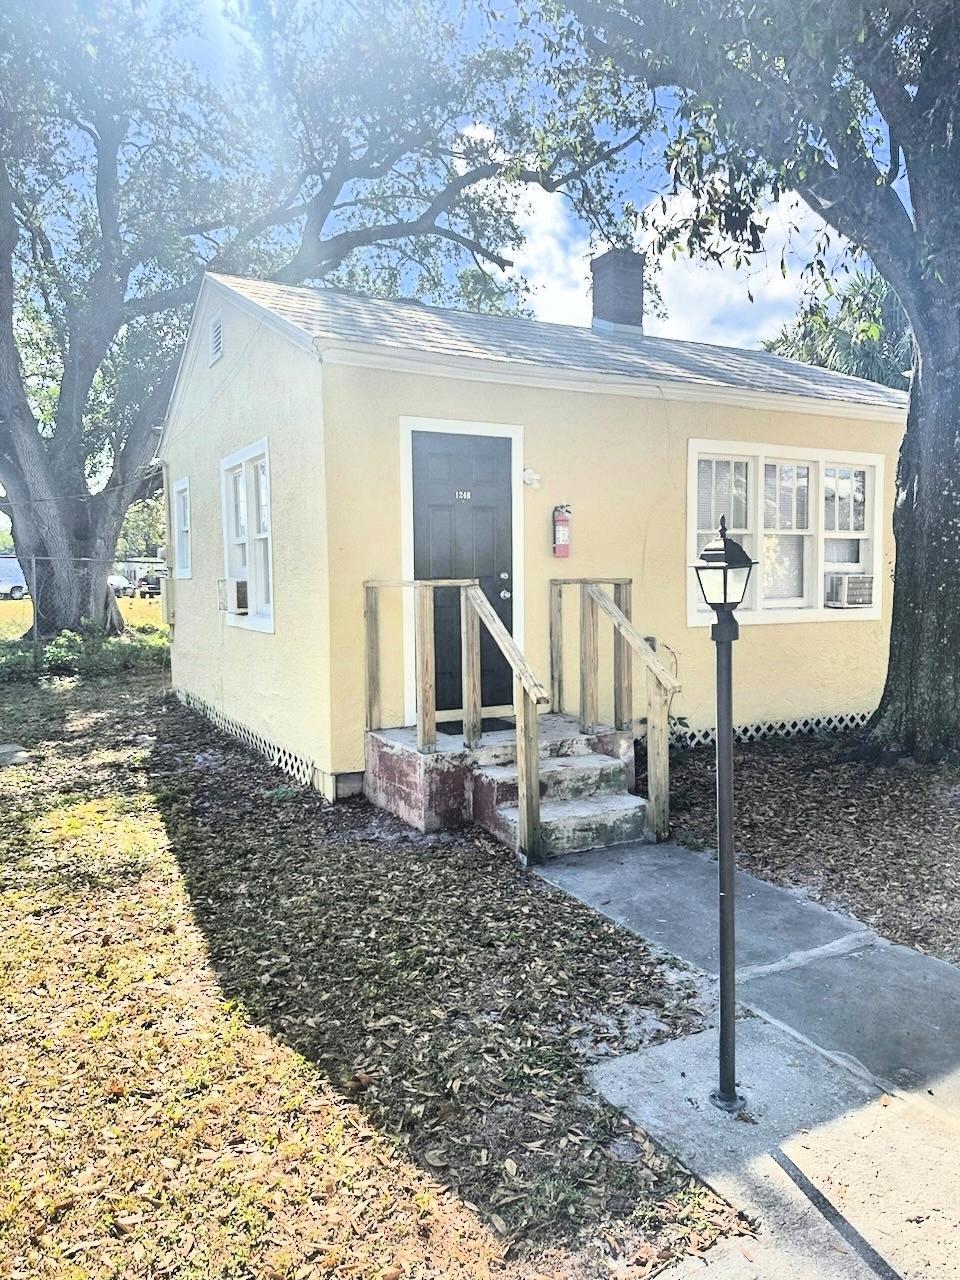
(849, 1058)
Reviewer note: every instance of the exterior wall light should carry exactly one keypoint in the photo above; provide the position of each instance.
(723, 572)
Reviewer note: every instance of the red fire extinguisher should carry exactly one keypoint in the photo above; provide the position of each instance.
(561, 531)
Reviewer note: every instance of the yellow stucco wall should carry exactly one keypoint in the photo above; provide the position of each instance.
(336, 491)
(277, 685)
(621, 462)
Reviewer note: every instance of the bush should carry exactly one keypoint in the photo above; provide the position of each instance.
(85, 655)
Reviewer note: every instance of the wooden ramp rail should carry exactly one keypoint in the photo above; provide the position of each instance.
(661, 683)
(528, 694)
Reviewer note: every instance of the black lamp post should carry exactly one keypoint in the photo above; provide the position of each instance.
(723, 571)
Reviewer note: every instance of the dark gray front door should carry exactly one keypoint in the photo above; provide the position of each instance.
(462, 528)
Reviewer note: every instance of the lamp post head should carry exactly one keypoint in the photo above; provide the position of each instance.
(723, 572)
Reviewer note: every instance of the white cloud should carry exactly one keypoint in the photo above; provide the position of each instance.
(555, 258)
(705, 303)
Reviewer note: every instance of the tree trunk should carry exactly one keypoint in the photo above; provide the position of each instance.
(70, 592)
(919, 712)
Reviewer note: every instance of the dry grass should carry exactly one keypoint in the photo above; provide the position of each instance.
(16, 616)
(249, 1035)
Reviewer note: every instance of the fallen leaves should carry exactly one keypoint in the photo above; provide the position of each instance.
(203, 1001)
(883, 843)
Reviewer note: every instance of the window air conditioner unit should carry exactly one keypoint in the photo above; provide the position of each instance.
(167, 605)
(848, 590)
(233, 595)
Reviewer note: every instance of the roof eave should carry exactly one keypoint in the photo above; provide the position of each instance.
(480, 369)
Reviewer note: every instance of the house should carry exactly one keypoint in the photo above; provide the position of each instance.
(324, 452)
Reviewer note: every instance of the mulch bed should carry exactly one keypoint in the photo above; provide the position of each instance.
(249, 1034)
(881, 842)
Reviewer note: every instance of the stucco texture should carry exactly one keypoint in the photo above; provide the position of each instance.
(337, 480)
(275, 684)
(621, 462)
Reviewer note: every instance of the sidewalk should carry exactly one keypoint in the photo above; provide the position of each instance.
(849, 1058)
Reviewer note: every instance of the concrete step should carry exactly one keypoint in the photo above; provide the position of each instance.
(561, 778)
(569, 826)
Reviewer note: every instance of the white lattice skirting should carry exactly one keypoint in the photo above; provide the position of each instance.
(841, 723)
(297, 767)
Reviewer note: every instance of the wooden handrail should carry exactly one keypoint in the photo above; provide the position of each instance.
(634, 638)
(506, 643)
(419, 582)
(661, 684)
(576, 582)
(528, 692)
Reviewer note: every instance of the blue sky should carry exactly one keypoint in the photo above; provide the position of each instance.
(704, 302)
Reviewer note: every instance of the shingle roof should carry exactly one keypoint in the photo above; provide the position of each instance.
(334, 317)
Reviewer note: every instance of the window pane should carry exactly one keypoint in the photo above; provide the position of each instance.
(263, 571)
(842, 550)
(783, 557)
(262, 496)
(769, 496)
(738, 507)
(830, 498)
(238, 559)
(803, 498)
(859, 499)
(723, 489)
(704, 493)
(786, 497)
(844, 494)
(239, 505)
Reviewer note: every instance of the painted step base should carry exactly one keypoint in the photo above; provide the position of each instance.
(571, 826)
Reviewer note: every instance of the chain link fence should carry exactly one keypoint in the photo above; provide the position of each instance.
(64, 610)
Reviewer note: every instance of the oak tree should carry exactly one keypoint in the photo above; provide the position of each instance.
(371, 145)
(855, 106)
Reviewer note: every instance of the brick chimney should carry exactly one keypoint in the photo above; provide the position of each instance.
(618, 289)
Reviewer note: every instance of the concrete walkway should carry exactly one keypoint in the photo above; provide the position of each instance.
(849, 1058)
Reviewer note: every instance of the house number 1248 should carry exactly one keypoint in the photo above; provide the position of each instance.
(463, 495)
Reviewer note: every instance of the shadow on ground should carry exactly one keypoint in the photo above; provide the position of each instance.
(457, 999)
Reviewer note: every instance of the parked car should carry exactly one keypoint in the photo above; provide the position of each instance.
(13, 585)
(119, 585)
(148, 586)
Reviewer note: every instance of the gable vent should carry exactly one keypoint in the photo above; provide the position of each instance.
(216, 338)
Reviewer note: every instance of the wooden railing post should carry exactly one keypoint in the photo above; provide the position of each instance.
(622, 661)
(426, 667)
(528, 772)
(556, 648)
(470, 645)
(658, 756)
(589, 659)
(371, 620)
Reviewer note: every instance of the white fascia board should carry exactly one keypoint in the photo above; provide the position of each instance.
(269, 317)
(189, 349)
(506, 371)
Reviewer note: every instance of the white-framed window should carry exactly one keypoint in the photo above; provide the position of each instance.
(180, 501)
(725, 488)
(786, 551)
(247, 537)
(804, 515)
(216, 338)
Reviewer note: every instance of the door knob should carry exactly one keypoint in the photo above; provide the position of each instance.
(504, 595)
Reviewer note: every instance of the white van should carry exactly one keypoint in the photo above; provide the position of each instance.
(13, 585)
